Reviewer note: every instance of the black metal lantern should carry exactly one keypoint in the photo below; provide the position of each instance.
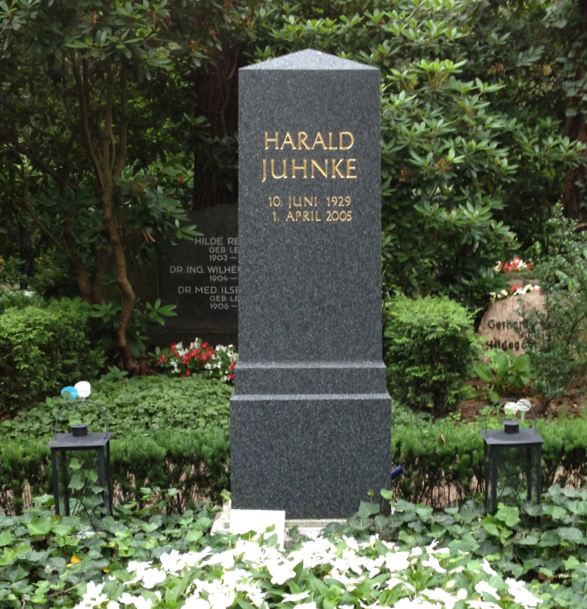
(80, 440)
(512, 458)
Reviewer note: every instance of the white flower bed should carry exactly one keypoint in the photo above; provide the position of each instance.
(322, 573)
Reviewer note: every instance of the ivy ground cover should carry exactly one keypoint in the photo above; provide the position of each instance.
(531, 557)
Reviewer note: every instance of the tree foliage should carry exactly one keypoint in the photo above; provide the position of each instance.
(109, 109)
(67, 126)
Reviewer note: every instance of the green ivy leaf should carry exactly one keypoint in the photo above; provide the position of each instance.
(571, 534)
(6, 538)
(366, 510)
(509, 515)
(40, 526)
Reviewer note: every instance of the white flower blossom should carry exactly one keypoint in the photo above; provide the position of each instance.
(232, 578)
(314, 552)
(397, 561)
(253, 592)
(438, 594)
(248, 551)
(149, 576)
(139, 602)
(417, 603)
(196, 602)
(433, 563)
(93, 596)
(280, 572)
(487, 568)
(350, 583)
(221, 598)
(224, 559)
(483, 587)
(255, 570)
(294, 598)
(393, 582)
(521, 594)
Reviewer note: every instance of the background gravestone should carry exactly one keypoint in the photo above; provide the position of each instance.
(310, 417)
(200, 277)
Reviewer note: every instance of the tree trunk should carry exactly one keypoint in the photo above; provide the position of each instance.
(126, 290)
(109, 161)
(217, 101)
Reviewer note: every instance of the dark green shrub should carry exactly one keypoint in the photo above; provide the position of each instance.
(429, 347)
(556, 337)
(140, 405)
(42, 348)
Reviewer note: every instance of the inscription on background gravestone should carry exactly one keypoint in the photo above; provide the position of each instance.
(310, 416)
(502, 322)
(200, 277)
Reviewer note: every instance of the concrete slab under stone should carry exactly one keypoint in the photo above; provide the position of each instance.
(310, 416)
(310, 528)
(244, 522)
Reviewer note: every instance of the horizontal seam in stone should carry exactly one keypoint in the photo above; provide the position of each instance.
(310, 365)
(310, 396)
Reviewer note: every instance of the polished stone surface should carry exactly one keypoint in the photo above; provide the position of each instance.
(310, 418)
(200, 277)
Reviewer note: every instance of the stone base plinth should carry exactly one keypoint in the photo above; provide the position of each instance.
(314, 456)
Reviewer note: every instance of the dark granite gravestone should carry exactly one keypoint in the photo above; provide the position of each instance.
(201, 278)
(310, 416)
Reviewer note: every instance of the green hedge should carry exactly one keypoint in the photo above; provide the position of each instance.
(42, 348)
(444, 459)
(443, 462)
(197, 464)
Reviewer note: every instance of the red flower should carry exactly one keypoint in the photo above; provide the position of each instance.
(188, 372)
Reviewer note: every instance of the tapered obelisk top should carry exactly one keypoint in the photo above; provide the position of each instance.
(309, 60)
